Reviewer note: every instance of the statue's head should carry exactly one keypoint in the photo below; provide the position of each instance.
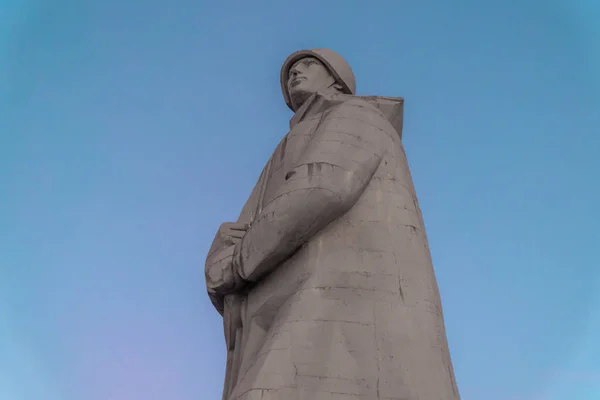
(309, 71)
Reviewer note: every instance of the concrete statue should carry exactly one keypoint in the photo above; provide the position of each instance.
(325, 282)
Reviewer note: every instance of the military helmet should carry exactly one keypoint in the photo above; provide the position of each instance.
(336, 65)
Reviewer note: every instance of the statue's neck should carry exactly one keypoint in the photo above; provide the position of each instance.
(301, 111)
(318, 102)
(301, 98)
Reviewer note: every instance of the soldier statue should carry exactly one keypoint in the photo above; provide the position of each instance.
(325, 282)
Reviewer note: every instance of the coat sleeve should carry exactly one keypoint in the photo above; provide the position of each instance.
(246, 216)
(220, 253)
(336, 167)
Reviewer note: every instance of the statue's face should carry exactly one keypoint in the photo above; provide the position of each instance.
(308, 76)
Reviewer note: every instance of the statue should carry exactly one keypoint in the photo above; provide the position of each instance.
(325, 283)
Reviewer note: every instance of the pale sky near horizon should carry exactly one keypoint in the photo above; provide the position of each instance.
(130, 130)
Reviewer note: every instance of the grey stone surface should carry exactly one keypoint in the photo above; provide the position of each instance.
(325, 282)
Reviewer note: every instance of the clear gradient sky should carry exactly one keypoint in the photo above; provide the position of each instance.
(129, 130)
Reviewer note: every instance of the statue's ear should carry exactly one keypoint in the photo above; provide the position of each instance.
(337, 86)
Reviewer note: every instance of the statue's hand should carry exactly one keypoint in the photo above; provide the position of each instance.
(221, 278)
(230, 233)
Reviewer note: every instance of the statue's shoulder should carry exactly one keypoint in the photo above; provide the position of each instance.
(360, 105)
(385, 109)
(338, 101)
(389, 108)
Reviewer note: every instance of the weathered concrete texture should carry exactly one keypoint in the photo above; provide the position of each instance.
(326, 282)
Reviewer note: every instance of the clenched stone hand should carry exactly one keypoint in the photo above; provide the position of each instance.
(221, 279)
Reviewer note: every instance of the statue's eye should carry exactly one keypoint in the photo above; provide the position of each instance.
(311, 62)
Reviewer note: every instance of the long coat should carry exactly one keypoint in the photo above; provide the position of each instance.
(342, 301)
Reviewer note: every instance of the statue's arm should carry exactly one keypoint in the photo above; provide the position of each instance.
(328, 179)
(221, 251)
(245, 217)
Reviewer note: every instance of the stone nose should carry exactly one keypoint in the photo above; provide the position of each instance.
(297, 69)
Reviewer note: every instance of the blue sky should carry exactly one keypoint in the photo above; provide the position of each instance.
(130, 130)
